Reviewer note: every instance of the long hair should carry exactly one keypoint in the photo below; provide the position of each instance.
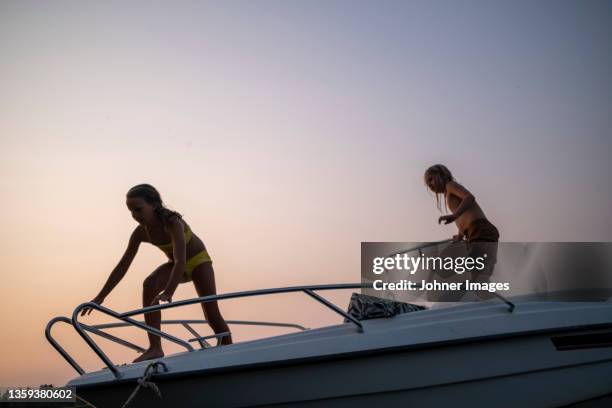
(443, 174)
(150, 194)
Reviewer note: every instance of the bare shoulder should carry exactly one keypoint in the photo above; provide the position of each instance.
(176, 223)
(139, 234)
(457, 189)
(453, 184)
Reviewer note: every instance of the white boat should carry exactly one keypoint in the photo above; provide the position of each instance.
(519, 352)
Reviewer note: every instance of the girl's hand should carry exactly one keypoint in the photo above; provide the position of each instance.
(447, 219)
(162, 297)
(98, 300)
(458, 237)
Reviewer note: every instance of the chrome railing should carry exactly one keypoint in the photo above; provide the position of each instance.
(126, 319)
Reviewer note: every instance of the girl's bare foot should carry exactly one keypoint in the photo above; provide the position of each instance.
(150, 354)
(224, 341)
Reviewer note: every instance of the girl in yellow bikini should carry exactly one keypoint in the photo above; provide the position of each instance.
(188, 261)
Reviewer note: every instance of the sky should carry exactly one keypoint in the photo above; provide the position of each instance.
(286, 133)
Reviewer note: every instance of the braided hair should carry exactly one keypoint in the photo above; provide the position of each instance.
(150, 194)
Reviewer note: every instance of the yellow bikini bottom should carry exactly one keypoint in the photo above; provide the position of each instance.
(199, 258)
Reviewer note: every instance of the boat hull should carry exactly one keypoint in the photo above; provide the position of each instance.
(524, 371)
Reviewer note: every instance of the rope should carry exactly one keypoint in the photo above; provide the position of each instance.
(85, 401)
(144, 382)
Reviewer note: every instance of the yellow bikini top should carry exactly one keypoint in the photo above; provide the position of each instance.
(167, 248)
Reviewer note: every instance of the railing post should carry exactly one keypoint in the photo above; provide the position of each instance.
(89, 341)
(59, 348)
(335, 308)
(112, 313)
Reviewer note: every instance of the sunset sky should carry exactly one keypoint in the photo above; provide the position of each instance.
(286, 133)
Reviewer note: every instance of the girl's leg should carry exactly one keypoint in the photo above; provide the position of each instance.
(488, 251)
(151, 287)
(204, 281)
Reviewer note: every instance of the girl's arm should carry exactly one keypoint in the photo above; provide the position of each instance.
(179, 249)
(126, 260)
(120, 270)
(467, 199)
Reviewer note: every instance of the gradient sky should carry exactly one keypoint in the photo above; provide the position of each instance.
(286, 133)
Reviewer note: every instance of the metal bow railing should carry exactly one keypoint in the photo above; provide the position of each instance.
(83, 329)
